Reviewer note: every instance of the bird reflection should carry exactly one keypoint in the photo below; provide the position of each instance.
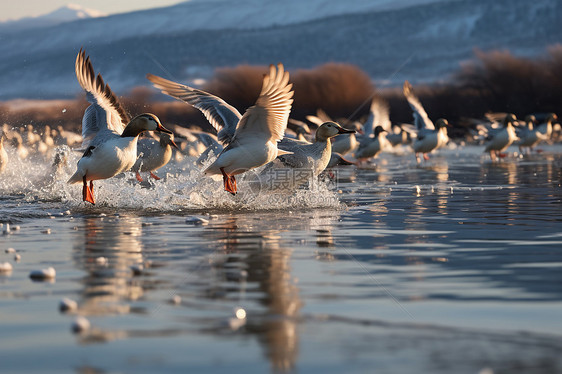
(257, 250)
(109, 286)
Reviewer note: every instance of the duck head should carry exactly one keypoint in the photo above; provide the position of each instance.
(144, 122)
(168, 139)
(441, 123)
(530, 120)
(509, 119)
(330, 129)
(552, 117)
(378, 130)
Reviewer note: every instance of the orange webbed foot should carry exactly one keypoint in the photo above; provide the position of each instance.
(88, 192)
(155, 176)
(229, 182)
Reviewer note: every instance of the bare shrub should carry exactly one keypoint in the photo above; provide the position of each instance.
(339, 89)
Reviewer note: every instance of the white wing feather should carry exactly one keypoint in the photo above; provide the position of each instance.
(105, 112)
(222, 116)
(421, 120)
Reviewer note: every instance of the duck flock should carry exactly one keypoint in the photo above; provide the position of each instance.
(264, 138)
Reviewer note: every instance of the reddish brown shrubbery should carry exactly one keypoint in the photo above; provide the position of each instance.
(339, 89)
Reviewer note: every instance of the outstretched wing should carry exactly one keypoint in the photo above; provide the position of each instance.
(267, 119)
(421, 120)
(378, 115)
(222, 116)
(105, 111)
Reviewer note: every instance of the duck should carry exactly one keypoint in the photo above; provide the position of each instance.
(21, 150)
(379, 112)
(30, 136)
(428, 136)
(153, 154)
(314, 156)
(529, 135)
(66, 137)
(109, 135)
(545, 128)
(250, 139)
(336, 160)
(371, 147)
(343, 144)
(3, 155)
(305, 162)
(300, 129)
(500, 138)
(378, 115)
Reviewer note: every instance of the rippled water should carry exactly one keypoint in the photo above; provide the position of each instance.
(454, 266)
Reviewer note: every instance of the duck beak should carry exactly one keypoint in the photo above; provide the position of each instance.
(173, 144)
(341, 130)
(161, 128)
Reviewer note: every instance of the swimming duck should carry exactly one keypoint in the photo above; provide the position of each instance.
(3, 155)
(252, 139)
(30, 137)
(529, 135)
(428, 136)
(336, 159)
(153, 154)
(110, 137)
(21, 150)
(300, 129)
(66, 137)
(371, 147)
(499, 139)
(545, 128)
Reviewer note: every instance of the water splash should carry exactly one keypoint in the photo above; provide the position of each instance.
(183, 187)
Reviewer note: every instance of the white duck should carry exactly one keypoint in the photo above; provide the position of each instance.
(545, 128)
(342, 144)
(110, 146)
(153, 154)
(300, 129)
(251, 138)
(3, 155)
(428, 136)
(371, 147)
(499, 139)
(529, 135)
(312, 156)
(21, 150)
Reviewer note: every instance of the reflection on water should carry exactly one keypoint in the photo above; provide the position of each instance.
(254, 247)
(109, 287)
(422, 265)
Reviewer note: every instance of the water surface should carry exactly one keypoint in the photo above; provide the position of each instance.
(452, 266)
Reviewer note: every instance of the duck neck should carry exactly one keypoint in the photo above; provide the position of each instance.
(132, 130)
(323, 144)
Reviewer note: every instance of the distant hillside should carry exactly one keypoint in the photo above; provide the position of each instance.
(67, 13)
(420, 42)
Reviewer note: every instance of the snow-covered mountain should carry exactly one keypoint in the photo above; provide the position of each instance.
(391, 40)
(67, 13)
